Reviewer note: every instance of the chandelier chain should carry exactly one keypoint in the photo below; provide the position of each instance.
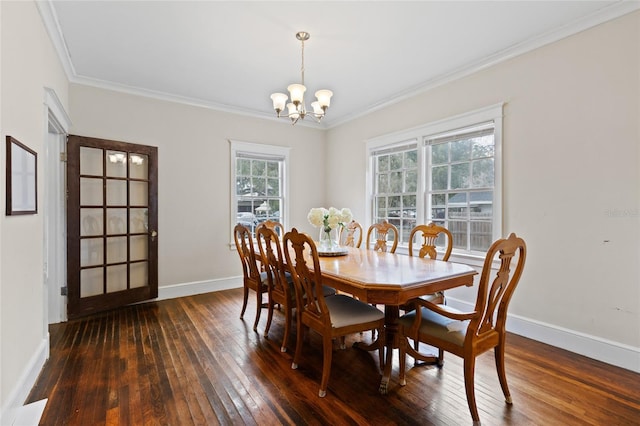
(302, 67)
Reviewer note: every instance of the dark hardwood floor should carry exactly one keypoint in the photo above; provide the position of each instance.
(193, 361)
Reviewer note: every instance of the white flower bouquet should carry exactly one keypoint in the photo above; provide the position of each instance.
(329, 220)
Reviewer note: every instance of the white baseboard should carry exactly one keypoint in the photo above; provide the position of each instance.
(27, 379)
(604, 350)
(30, 414)
(198, 287)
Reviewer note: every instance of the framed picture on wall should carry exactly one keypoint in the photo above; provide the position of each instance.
(22, 178)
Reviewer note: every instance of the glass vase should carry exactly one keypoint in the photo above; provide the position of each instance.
(328, 239)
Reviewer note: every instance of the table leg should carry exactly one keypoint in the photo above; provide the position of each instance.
(391, 315)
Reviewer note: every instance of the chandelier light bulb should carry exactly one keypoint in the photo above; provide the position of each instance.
(279, 101)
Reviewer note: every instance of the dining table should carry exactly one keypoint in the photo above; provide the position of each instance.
(392, 280)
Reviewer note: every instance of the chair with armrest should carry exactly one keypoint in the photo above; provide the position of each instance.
(280, 285)
(253, 279)
(468, 335)
(331, 317)
(381, 233)
(351, 234)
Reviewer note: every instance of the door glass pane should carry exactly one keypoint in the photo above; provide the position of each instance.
(138, 249)
(91, 252)
(116, 278)
(116, 164)
(92, 222)
(138, 221)
(139, 275)
(116, 192)
(90, 192)
(90, 161)
(91, 282)
(116, 221)
(138, 195)
(138, 166)
(116, 249)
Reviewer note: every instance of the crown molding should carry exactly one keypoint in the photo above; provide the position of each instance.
(596, 18)
(607, 13)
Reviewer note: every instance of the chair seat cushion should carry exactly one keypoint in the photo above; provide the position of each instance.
(346, 310)
(437, 325)
(328, 291)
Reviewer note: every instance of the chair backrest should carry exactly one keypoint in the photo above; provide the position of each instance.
(273, 225)
(351, 234)
(382, 230)
(496, 287)
(307, 282)
(430, 234)
(272, 260)
(244, 244)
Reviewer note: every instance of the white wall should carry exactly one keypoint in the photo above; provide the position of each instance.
(194, 174)
(571, 181)
(28, 65)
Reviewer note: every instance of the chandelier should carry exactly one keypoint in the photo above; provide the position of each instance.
(296, 109)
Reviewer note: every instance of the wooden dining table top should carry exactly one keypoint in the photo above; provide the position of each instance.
(389, 278)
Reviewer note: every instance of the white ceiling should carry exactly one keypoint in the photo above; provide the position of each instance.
(232, 55)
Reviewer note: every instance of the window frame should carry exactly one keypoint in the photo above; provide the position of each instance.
(421, 135)
(260, 151)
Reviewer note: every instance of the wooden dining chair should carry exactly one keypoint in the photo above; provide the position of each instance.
(331, 317)
(273, 225)
(429, 234)
(253, 279)
(280, 284)
(469, 334)
(381, 232)
(351, 234)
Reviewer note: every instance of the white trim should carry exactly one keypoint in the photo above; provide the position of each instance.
(57, 127)
(25, 383)
(52, 25)
(30, 414)
(607, 351)
(198, 287)
(60, 116)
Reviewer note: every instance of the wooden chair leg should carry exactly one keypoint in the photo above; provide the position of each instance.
(299, 339)
(469, 372)
(258, 309)
(327, 353)
(270, 307)
(502, 374)
(245, 298)
(287, 329)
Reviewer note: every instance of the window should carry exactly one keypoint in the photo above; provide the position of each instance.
(396, 187)
(447, 172)
(259, 186)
